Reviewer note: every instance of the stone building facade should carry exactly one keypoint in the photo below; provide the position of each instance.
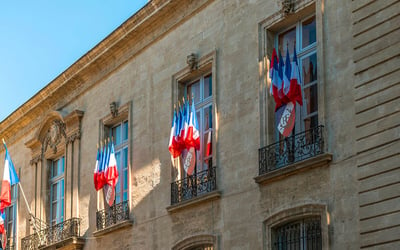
(334, 184)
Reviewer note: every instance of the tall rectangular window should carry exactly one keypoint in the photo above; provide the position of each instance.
(201, 91)
(10, 222)
(302, 37)
(119, 133)
(57, 191)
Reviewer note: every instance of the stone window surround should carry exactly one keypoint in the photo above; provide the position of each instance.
(296, 213)
(267, 29)
(58, 135)
(205, 64)
(196, 240)
(118, 115)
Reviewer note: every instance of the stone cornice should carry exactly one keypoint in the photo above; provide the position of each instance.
(148, 25)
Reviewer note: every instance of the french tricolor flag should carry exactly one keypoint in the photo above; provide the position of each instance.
(192, 138)
(10, 178)
(111, 170)
(2, 219)
(98, 172)
(276, 80)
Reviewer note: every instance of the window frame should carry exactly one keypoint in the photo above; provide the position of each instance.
(268, 28)
(205, 65)
(200, 107)
(59, 179)
(11, 237)
(123, 114)
(122, 170)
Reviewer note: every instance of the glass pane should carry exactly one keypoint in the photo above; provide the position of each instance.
(125, 176)
(61, 210)
(54, 192)
(309, 68)
(194, 91)
(118, 158)
(116, 133)
(10, 215)
(309, 32)
(54, 169)
(125, 136)
(125, 196)
(62, 188)
(287, 40)
(54, 211)
(125, 159)
(311, 99)
(207, 118)
(311, 122)
(207, 86)
(117, 198)
(60, 164)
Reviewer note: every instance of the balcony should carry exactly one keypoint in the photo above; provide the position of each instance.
(292, 154)
(66, 233)
(112, 218)
(196, 188)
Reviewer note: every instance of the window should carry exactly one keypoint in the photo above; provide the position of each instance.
(119, 133)
(201, 91)
(302, 36)
(56, 191)
(10, 222)
(304, 234)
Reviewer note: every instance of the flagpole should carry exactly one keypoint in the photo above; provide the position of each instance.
(26, 202)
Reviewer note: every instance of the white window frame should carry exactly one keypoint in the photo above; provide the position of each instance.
(201, 106)
(302, 53)
(123, 171)
(60, 199)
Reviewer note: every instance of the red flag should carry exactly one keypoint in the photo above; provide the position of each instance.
(173, 145)
(111, 171)
(209, 144)
(10, 178)
(192, 138)
(295, 88)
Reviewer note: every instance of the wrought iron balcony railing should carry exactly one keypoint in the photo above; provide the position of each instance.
(112, 215)
(53, 234)
(292, 149)
(192, 186)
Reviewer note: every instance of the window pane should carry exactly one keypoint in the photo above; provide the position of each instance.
(117, 135)
(125, 125)
(117, 198)
(54, 169)
(60, 165)
(207, 118)
(125, 158)
(309, 68)
(54, 211)
(207, 86)
(287, 40)
(311, 122)
(311, 99)
(54, 192)
(194, 91)
(125, 176)
(62, 188)
(309, 32)
(118, 159)
(125, 196)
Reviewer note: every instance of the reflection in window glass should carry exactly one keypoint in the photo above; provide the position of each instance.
(286, 40)
(203, 105)
(309, 32)
(309, 68)
(207, 86)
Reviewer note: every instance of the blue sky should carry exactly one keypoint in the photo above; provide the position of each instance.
(40, 39)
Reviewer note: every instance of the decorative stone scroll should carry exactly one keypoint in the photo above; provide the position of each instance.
(54, 135)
